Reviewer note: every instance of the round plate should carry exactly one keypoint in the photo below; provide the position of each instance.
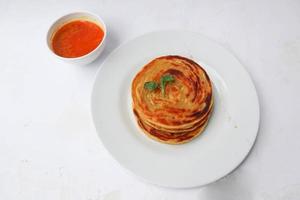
(223, 145)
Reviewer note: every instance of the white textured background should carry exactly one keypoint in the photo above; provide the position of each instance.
(48, 146)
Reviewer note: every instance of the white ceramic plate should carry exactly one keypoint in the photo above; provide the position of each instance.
(223, 145)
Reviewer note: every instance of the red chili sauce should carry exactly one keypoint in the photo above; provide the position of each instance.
(77, 38)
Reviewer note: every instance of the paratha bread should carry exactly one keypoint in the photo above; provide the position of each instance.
(184, 109)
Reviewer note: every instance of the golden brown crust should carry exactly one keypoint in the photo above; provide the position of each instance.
(182, 113)
(169, 138)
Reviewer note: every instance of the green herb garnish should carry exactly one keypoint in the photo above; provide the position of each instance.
(151, 85)
(163, 82)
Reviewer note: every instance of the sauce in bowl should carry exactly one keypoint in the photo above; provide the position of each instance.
(77, 38)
